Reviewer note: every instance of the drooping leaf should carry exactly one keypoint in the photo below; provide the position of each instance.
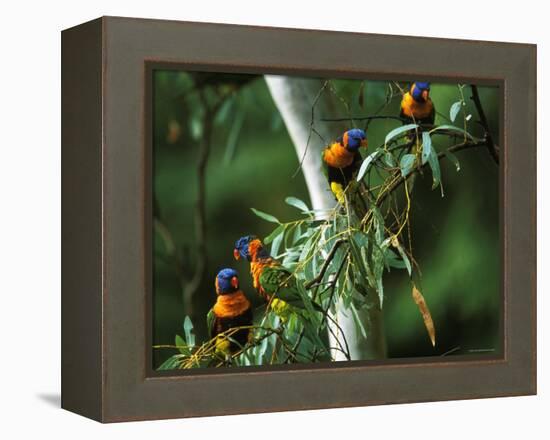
(426, 146)
(452, 128)
(366, 163)
(392, 260)
(399, 131)
(355, 249)
(403, 255)
(276, 244)
(265, 216)
(297, 236)
(433, 160)
(378, 271)
(453, 159)
(407, 164)
(425, 312)
(312, 322)
(379, 224)
(297, 203)
(306, 301)
(455, 108)
(274, 234)
(357, 320)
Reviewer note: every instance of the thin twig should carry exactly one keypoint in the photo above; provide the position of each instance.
(364, 118)
(311, 127)
(483, 120)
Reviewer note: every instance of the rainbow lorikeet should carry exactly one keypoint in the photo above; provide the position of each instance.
(276, 285)
(232, 310)
(417, 106)
(268, 274)
(343, 161)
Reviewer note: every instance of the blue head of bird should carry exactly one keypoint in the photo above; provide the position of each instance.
(354, 138)
(249, 247)
(227, 281)
(420, 91)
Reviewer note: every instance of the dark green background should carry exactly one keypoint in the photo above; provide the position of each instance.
(455, 237)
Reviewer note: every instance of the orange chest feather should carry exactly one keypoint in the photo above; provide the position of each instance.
(337, 156)
(416, 110)
(231, 305)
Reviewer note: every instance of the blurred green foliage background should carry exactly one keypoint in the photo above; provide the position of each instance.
(252, 164)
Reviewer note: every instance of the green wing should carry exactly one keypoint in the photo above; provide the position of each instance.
(210, 318)
(277, 280)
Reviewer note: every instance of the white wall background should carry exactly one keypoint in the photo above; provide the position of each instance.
(30, 217)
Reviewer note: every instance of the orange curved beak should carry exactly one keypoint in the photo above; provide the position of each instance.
(364, 143)
(235, 282)
(236, 254)
(425, 94)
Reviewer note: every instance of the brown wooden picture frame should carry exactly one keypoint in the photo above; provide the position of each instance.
(106, 219)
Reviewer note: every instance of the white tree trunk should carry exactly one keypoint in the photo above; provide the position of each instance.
(294, 97)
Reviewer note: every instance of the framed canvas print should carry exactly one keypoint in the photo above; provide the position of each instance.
(343, 219)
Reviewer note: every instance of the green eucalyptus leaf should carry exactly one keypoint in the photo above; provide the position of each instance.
(358, 262)
(265, 216)
(297, 203)
(404, 257)
(276, 232)
(378, 270)
(366, 163)
(399, 131)
(392, 260)
(452, 128)
(407, 164)
(389, 160)
(455, 108)
(297, 236)
(188, 329)
(276, 244)
(262, 348)
(379, 224)
(433, 160)
(453, 159)
(169, 364)
(426, 146)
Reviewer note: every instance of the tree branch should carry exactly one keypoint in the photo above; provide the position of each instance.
(396, 184)
(326, 264)
(493, 150)
(441, 155)
(191, 287)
